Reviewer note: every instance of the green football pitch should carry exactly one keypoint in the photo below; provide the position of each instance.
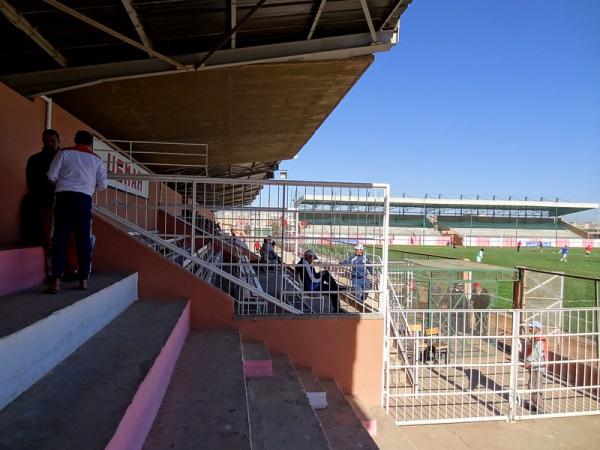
(549, 259)
(577, 293)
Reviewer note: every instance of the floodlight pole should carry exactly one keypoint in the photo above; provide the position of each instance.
(471, 230)
(597, 295)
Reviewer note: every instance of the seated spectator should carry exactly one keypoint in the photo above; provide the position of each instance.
(263, 251)
(268, 254)
(272, 257)
(359, 272)
(480, 299)
(314, 281)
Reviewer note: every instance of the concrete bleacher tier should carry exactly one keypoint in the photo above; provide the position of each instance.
(522, 233)
(103, 369)
(409, 231)
(365, 231)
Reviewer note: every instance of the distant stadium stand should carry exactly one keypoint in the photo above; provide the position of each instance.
(502, 228)
(433, 221)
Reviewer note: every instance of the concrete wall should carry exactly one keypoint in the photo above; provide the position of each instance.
(346, 348)
(21, 124)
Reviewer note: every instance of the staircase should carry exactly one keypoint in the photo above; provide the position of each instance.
(102, 369)
(575, 229)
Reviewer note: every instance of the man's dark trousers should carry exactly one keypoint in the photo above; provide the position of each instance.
(72, 210)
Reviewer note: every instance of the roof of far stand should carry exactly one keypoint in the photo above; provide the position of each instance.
(552, 207)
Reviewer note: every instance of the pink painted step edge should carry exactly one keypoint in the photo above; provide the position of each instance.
(21, 268)
(141, 412)
(371, 426)
(258, 368)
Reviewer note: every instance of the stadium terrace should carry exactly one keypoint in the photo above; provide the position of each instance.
(161, 287)
(463, 221)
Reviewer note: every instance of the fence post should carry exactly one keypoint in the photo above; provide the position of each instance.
(193, 221)
(514, 365)
(383, 292)
(518, 288)
(597, 313)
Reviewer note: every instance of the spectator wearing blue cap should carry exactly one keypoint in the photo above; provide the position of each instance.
(359, 272)
(536, 365)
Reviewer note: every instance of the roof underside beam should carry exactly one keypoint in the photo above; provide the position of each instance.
(23, 24)
(391, 14)
(369, 20)
(231, 33)
(52, 81)
(316, 19)
(233, 20)
(135, 20)
(71, 12)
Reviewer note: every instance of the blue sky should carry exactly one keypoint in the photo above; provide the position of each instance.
(479, 97)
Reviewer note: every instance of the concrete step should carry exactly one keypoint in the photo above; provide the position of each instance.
(205, 405)
(317, 397)
(343, 428)
(257, 360)
(364, 413)
(106, 394)
(280, 415)
(38, 331)
(21, 268)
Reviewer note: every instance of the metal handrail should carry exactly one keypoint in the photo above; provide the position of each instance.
(229, 181)
(214, 270)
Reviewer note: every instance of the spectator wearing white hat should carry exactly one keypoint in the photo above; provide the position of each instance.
(318, 281)
(359, 272)
(536, 365)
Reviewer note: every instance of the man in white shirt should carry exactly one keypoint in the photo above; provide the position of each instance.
(77, 172)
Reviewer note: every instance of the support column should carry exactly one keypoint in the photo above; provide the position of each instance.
(518, 288)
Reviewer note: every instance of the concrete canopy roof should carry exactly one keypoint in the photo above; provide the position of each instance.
(246, 114)
(252, 79)
(38, 35)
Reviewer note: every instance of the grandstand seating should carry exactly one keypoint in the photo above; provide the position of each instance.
(532, 230)
(522, 233)
(361, 232)
(409, 231)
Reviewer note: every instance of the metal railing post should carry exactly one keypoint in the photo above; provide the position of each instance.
(296, 233)
(514, 365)
(193, 243)
(597, 314)
(383, 291)
(282, 264)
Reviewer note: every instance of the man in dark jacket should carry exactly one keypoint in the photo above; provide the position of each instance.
(480, 300)
(41, 191)
(318, 281)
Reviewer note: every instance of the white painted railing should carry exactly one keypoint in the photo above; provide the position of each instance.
(474, 365)
(248, 237)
